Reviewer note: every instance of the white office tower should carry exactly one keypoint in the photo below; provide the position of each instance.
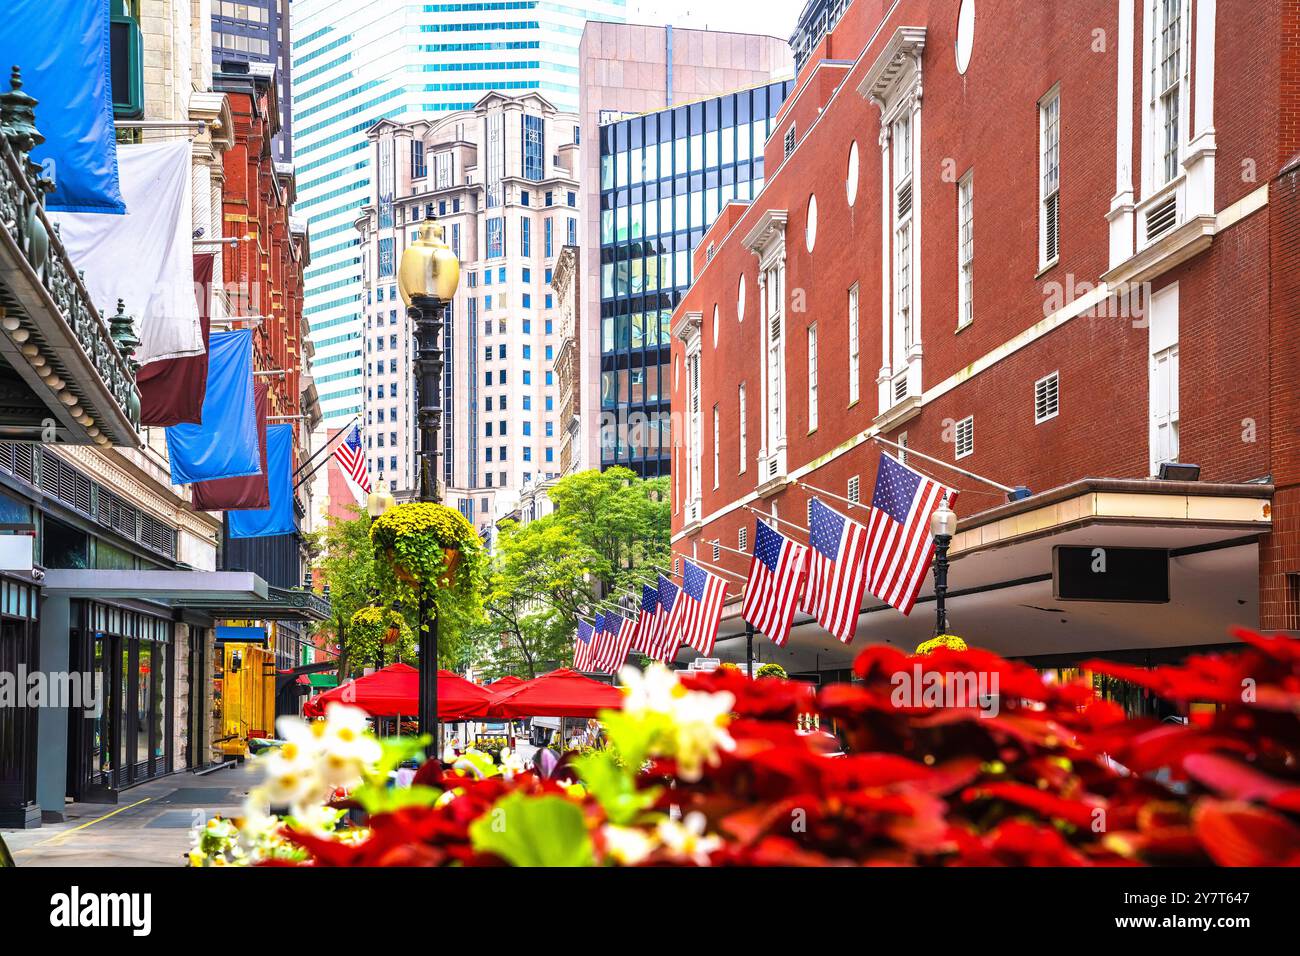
(501, 178)
(356, 62)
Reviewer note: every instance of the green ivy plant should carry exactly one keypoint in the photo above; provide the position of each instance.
(368, 632)
(414, 545)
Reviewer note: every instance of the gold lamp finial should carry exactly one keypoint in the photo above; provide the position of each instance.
(429, 267)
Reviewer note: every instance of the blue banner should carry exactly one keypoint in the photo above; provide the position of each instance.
(277, 519)
(62, 48)
(225, 445)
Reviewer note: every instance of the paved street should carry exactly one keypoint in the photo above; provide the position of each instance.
(150, 827)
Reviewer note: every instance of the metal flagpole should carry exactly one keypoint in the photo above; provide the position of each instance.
(1013, 494)
(713, 567)
(719, 544)
(830, 494)
(764, 514)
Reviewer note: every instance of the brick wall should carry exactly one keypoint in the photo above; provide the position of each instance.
(987, 121)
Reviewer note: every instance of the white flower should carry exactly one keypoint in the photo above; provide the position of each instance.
(696, 721)
(687, 840)
(511, 763)
(627, 846)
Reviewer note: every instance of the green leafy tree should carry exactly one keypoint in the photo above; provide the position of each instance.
(346, 561)
(605, 530)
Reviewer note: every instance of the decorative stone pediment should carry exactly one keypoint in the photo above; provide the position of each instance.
(897, 68)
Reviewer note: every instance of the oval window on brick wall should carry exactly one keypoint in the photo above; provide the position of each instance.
(965, 34)
(851, 179)
(740, 299)
(810, 226)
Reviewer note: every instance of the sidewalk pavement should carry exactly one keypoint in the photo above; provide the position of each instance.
(152, 825)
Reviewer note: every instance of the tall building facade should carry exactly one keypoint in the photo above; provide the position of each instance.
(501, 180)
(652, 105)
(1071, 271)
(257, 31)
(664, 177)
(356, 62)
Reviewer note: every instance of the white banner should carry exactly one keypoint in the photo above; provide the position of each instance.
(145, 258)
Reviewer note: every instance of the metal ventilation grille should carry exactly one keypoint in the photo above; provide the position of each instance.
(853, 489)
(1051, 227)
(1161, 217)
(905, 199)
(742, 538)
(900, 387)
(1047, 398)
(24, 463)
(966, 437)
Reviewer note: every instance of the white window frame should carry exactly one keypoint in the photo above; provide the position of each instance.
(812, 377)
(717, 445)
(1163, 336)
(854, 345)
(1049, 176)
(1045, 382)
(904, 274)
(789, 141)
(744, 427)
(693, 482)
(966, 249)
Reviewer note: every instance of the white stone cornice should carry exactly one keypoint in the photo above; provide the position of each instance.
(688, 327)
(903, 49)
(769, 229)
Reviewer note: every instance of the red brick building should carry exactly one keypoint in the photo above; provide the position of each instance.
(1052, 244)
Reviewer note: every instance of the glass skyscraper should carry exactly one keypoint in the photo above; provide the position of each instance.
(356, 62)
(664, 177)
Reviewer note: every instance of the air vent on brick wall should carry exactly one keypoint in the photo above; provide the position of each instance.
(1162, 216)
(900, 387)
(1051, 227)
(853, 489)
(742, 538)
(1047, 397)
(904, 200)
(965, 436)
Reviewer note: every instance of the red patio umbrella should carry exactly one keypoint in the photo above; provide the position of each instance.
(561, 693)
(395, 691)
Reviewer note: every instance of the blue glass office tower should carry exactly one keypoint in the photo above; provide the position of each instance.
(664, 177)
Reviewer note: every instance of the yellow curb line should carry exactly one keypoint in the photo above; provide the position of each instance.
(67, 833)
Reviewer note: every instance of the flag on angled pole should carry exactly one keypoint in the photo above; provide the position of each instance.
(598, 641)
(701, 597)
(352, 462)
(620, 631)
(836, 570)
(899, 544)
(777, 575)
(582, 646)
(668, 625)
(645, 625)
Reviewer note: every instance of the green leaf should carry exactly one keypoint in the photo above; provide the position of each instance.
(614, 786)
(534, 831)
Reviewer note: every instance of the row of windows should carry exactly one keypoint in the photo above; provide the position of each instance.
(323, 68)
(328, 177)
(332, 45)
(333, 194)
(240, 43)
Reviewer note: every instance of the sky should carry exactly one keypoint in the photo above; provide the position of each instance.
(772, 17)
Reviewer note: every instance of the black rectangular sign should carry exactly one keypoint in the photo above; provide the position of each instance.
(1133, 575)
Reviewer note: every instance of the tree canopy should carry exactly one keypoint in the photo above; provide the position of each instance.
(606, 529)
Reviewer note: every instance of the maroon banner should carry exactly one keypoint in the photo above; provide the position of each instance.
(172, 391)
(238, 494)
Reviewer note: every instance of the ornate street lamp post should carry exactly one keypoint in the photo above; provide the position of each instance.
(427, 278)
(943, 525)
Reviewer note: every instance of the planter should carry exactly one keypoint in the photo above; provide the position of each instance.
(450, 556)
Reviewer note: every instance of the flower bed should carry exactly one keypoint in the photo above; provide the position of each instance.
(709, 769)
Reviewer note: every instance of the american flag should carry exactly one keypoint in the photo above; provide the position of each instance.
(645, 625)
(702, 596)
(352, 459)
(668, 625)
(777, 574)
(899, 544)
(619, 631)
(599, 643)
(837, 570)
(582, 647)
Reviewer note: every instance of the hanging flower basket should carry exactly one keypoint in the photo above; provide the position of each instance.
(423, 543)
(950, 641)
(431, 552)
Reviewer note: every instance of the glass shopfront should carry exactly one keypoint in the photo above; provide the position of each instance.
(132, 652)
(19, 651)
